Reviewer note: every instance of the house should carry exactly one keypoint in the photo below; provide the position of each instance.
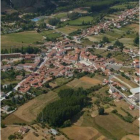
(6, 108)
(116, 95)
(6, 67)
(131, 107)
(137, 79)
(23, 130)
(53, 131)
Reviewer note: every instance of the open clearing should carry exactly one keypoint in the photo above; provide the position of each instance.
(90, 80)
(82, 133)
(20, 39)
(76, 83)
(29, 111)
(130, 137)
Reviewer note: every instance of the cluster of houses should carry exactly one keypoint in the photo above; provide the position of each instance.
(61, 59)
(17, 57)
(118, 22)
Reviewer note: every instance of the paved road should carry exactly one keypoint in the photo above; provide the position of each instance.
(125, 97)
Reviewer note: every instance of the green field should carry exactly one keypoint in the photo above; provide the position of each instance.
(80, 20)
(69, 29)
(60, 15)
(50, 34)
(20, 39)
(124, 5)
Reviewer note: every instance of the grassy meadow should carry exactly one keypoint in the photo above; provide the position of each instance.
(20, 39)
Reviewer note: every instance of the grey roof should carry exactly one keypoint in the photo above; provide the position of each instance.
(136, 97)
(135, 90)
(53, 131)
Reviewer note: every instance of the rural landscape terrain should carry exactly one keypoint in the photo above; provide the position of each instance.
(70, 70)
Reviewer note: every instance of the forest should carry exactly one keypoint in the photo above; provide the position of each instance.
(60, 112)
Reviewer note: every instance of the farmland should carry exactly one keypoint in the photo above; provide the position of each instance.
(90, 80)
(80, 20)
(50, 34)
(130, 137)
(85, 82)
(9, 131)
(20, 39)
(29, 111)
(82, 133)
(109, 125)
(69, 29)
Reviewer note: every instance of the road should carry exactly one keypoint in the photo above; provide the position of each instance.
(125, 97)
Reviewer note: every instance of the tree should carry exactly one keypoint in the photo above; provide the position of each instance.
(23, 73)
(73, 15)
(136, 40)
(12, 137)
(54, 21)
(67, 123)
(119, 44)
(42, 25)
(109, 55)
(101, 111)
(3, 125)
(105, 39)
(47, 85)
(114, 111)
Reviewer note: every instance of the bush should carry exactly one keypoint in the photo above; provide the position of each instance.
(114, 111)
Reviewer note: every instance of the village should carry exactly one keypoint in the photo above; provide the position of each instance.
(67, 59)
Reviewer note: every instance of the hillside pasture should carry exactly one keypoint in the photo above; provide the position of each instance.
(51, 34)
(29, 111)
(20, 39)
(69, 29)
(80, 20)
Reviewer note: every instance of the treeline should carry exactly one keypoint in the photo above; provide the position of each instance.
(103, 5)
(23, 50)
(98, 5)
(10, 17)
(60, 113)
